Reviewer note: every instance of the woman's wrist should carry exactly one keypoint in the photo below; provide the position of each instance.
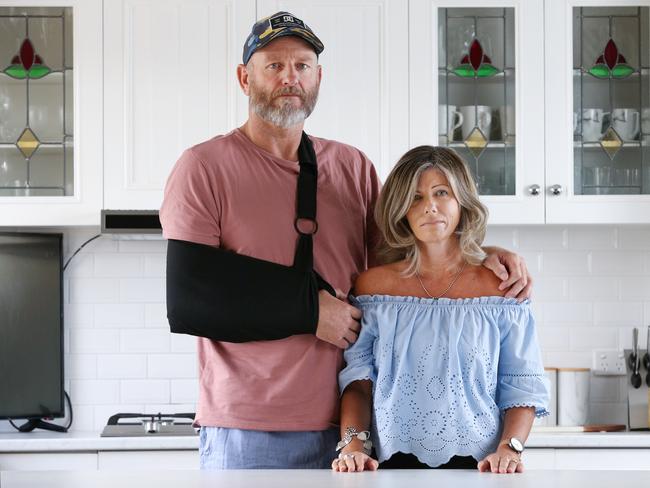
(354, 445)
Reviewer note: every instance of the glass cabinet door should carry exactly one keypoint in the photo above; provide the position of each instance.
(476, 92)
(611, 105)
(36, 106)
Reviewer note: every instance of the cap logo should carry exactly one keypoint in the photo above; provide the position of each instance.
(284, 20)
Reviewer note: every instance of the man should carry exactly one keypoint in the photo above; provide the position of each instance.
(274, 403)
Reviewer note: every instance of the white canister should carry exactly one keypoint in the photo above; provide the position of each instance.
(551, 419)
(573, 396)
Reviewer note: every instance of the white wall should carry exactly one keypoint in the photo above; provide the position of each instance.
(592, 285)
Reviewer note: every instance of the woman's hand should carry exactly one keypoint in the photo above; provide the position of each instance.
(504, 460)
(512, 270)
(354, 461)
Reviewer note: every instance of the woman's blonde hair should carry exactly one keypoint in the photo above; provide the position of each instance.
(397, 196)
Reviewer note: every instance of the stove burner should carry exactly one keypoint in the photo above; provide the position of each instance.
(149, 424)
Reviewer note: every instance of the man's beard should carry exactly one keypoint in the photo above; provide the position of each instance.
(280, 112)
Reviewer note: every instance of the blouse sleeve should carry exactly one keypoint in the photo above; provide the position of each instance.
(359, 357)
(521, 380)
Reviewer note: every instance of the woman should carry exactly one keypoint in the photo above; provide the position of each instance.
(448, 369)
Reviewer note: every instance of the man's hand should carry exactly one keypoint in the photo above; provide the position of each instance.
(338, 321)
(512, 270)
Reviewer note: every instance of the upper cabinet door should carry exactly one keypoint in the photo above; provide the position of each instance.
(598, 111)
(50, 112)
(477, 79)
(363, 97)
(170, 75)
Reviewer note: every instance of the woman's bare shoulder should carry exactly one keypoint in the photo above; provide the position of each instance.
(379, 280)
(484, 282)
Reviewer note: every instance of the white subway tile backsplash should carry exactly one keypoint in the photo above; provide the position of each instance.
(635, 288)
(183, 343)
(552, 338)
(617, 313)
(103, 412)
(94, 290)
(155, 265)
(565, 263)
(568, 312)
(501, 236)
(142, 290)
(118, 265)
(118, 366)
(80, 366)
(94, 341)
(119, 314)
(155, 315)
(617, 263)
(94, 392)
(185, 391)
(172, 366)
(634, 237)
(542, 237)
(588, 338)
(550, 288)
(589, 238)
(78, 315)
(144, 340)
(593, 288)
(145, 391)
(143, 246)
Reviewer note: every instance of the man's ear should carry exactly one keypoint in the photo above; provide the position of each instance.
(320, 73)
(243, 78)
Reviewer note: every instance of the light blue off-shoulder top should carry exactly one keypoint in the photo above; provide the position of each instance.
(443, 372)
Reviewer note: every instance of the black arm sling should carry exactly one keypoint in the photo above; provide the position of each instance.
(230, 297)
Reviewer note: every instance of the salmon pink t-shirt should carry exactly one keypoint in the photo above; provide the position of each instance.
(230, 193)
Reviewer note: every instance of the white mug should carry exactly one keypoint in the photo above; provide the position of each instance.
(507, 120)
(573, 396)
(626, 122)
(476, 116)
(592, 124)
(446, 122)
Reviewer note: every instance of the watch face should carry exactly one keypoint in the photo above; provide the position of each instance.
(516, 444)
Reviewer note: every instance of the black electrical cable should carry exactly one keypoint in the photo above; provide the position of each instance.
(79, 249)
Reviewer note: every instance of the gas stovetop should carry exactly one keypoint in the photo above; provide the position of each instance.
(143, 425)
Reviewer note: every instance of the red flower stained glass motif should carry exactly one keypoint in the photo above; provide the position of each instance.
(27, 64)
(475, 63)
(611, 63)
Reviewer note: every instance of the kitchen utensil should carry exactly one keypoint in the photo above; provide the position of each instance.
(636, 376)
(646, 356)
(449, 119)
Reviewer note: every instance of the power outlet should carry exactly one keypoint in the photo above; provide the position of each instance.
(608, 362)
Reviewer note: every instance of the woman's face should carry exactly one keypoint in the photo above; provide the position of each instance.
(435, 212)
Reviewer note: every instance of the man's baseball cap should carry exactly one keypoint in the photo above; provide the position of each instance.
(279, 25)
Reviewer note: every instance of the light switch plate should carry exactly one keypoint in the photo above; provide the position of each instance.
(608, 362)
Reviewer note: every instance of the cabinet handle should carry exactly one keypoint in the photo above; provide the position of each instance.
(534, 190)
(556, 189)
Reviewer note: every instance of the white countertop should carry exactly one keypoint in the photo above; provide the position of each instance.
(91, 441)
(320, 479)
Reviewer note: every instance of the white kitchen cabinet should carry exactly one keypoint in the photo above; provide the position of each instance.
(170, 83)
(364, 92)
(142, 460)
(600, 459)
(570, 88)
(476, 85)
(539, 459)
(46, 461)
(43, 194)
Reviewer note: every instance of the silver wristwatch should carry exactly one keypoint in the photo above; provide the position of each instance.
(350, 433)
(516, 445)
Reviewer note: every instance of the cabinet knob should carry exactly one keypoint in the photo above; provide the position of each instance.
(534, 190)
(556, 189)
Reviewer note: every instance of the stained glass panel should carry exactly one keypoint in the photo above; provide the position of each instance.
(610, 100)
(476, 92)
(36, 101)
